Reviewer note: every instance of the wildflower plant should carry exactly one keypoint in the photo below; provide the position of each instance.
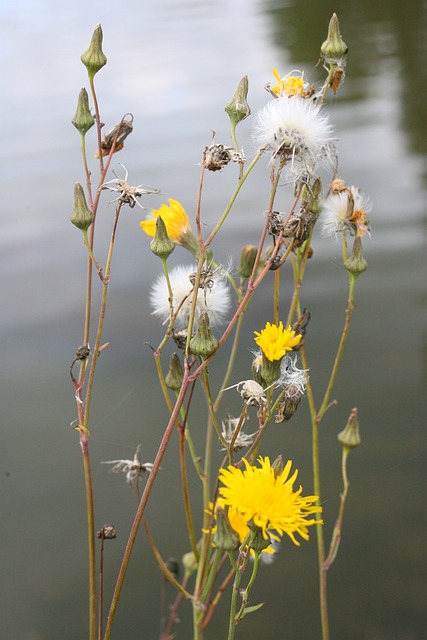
(249, 507)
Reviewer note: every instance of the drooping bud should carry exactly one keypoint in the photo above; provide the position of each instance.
(94, 58)
(238, 108)
(203, 343)
(224, 538)
(247, 260)
(356, 263)
(161, 245)
(334, 46)
(83, 120)
(350, 436)
(175, 375)
(82, 217)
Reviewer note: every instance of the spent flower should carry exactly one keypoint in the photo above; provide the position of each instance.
(133, 469)
(295, 130)
(291, 85)
(242, 440)
(345, 209)
(213, 299)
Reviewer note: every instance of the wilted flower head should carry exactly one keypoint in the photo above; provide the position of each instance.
(229, 426)
(295, 130)
(292, 379)
(345, 209)
(292, 84)
(134, 469)
(213, 298)
(177, 225)
(260, 496)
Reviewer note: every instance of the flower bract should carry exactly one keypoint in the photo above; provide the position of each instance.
(257, 495)
(274, 341)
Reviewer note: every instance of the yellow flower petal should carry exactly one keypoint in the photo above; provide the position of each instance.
(274, 341)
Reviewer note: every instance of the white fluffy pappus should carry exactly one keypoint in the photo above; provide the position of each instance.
(214, 299)
(338, 212)
(295, 129)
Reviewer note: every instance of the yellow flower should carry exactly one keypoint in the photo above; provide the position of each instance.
(275, 341)
(289, 85)
(177, 225)
(258, 495)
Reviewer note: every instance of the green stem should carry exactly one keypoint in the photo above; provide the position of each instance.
(91, 534)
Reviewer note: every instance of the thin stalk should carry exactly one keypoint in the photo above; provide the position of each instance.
(142, 504)
(91, 534)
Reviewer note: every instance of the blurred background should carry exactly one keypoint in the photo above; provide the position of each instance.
(173, 65)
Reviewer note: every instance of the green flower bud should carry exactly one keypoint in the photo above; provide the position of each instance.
(83, 120)
(278, 466)
(238, 108)
(82, 217)
(203, 343)
(161, 245)
(94, 58)
(356, 263)
(247, 260)
(350, 436)
(334, 46)
(224, 538)
(175, 374)
(189, 562)
(314, 198)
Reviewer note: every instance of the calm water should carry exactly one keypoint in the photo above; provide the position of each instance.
(174, 65)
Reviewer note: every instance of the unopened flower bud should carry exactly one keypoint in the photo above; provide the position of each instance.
(82, 217)
(356, 263)
(189, 562)
(314, 203)
(161, 245)
(350, 436)
(203, 343)
(94, 58)
(224, 538)
(175, 375)
(334, 46)
(238, 108)
(278, 466)
(83, 120)
(247, 260)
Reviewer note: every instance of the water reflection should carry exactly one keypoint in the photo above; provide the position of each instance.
(174, 65)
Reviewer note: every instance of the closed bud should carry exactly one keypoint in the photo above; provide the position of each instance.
(83, 120)
(270, 370)
(161, 245)
(224, 538)
(278, 466)
(82, 217)
(175, 374)
(334, 46)
(94, 58)
(247, 260)
(238, 108)
(314, 203)
(203, 343)
(350, 436)
(189, 562)
(356, 263)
